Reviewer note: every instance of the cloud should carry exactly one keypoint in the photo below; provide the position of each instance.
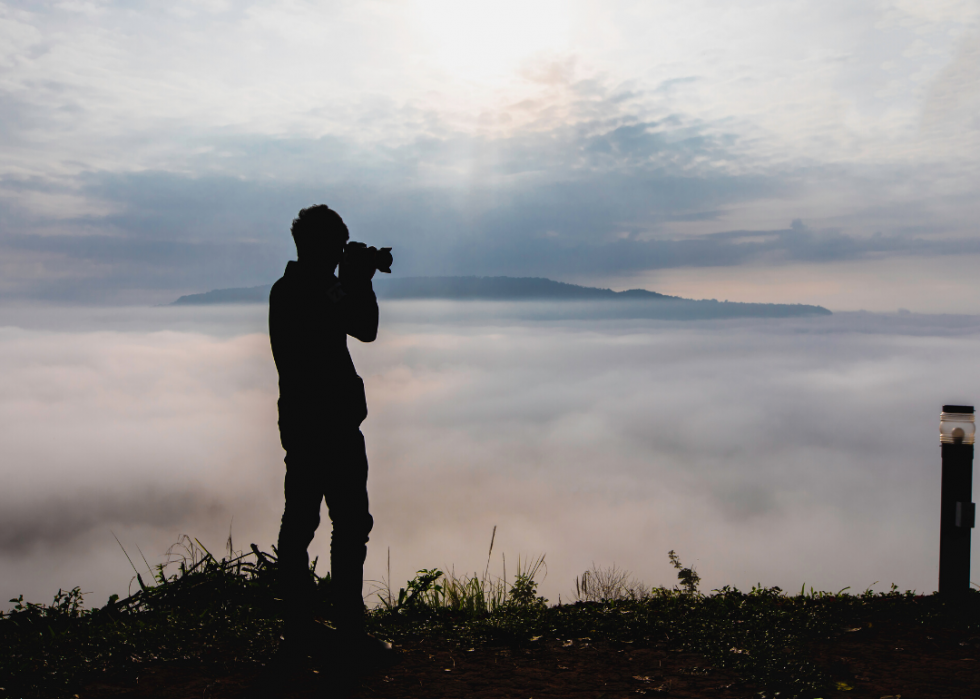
(440, 197)
(77, 522)
(952, 99)
(153, 154)
(597, 192)
(783, 452)
(167, 234)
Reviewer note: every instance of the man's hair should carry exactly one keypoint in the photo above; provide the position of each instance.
(318, 225)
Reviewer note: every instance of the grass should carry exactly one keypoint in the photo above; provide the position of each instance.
(226, 612)
(471, 595)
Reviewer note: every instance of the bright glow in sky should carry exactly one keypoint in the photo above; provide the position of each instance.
(485, 44)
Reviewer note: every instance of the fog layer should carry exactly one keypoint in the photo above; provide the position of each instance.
(784, 452)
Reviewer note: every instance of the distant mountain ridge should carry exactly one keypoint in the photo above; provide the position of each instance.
(634, 303)
(250, 294)
(500, 289)
(481, 288)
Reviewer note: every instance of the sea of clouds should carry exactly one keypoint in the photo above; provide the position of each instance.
(782, 452)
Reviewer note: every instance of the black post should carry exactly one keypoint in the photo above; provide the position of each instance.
(957, 511)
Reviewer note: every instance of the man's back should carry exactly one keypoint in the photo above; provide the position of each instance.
(310, 316)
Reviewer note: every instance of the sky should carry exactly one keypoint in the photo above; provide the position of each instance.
(819, 152)
(795, 152)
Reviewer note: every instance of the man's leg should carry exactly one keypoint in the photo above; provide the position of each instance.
(347, 500)
(301, 516)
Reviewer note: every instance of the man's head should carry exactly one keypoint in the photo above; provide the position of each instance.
(320, 235)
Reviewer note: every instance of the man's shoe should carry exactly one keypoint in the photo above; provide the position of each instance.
(373, 654)
(324, 639)
(291, 656)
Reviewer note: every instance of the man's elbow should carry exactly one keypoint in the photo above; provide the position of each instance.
(366, 335)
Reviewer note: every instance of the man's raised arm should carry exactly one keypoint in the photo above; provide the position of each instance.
(359, 308)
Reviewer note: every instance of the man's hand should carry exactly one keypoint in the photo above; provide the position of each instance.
(358, 264)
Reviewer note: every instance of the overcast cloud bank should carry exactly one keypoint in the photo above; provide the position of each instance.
(780, 452)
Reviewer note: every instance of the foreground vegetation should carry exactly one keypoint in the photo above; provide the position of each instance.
(225, 612)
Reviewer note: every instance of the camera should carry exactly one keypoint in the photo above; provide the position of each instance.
(360, 256)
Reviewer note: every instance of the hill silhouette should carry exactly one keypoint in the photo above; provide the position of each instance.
(599, 303)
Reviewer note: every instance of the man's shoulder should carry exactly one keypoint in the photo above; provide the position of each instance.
(286, 284)
(282, 284)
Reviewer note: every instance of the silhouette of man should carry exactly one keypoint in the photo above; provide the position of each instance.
(321, 407)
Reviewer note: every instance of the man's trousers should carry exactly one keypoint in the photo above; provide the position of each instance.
(335, 469)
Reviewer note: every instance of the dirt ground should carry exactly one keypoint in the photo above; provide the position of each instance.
(881, 661)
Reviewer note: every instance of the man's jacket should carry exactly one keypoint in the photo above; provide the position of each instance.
(310, 316)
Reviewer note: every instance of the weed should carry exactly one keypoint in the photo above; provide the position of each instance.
(688, 578)
(465, 594)
(608, 584)
(524, 591)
